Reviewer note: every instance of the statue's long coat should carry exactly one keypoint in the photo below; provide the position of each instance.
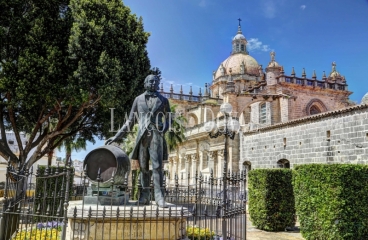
(158, 115)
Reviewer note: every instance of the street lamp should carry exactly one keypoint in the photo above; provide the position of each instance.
(229, 130)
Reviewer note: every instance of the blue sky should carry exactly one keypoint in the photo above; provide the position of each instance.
(190, 38)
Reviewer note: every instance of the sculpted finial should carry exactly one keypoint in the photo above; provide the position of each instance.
(272, 54)
(333, 66)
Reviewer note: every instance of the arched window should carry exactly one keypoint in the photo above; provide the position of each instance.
(192, 121)
(262, 114)
(315, 106)
(314, 110)
(247, 165)
(283, 163)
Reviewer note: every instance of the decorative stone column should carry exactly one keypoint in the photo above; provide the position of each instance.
(203, 149)
(174, 170)
(212, 157)
(219, 167)
(193, 167)
(201, 159)
(186, 168)
(181, 165)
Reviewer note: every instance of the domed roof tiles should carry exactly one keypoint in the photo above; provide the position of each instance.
(365, 99)
(334, 74)
(235, 61)
(239, 36)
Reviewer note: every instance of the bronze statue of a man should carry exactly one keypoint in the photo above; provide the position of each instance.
(153, 111)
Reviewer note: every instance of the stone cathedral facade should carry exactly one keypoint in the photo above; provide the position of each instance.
(269, 104)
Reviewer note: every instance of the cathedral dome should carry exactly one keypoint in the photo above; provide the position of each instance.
(273, 64)
(334, 74)
(365, 99)
(239, 36)
(238, 63)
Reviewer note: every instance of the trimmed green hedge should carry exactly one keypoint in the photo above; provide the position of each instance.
(332, 201)
(50, 191)
(271, 199)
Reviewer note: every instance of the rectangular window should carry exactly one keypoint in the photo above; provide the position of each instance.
(242, 47)
(263, 114)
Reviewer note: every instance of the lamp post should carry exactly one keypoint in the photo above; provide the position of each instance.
(229, 130)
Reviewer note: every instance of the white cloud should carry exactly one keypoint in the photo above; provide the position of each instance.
(302, 7)
(265, 48)
(254, 44)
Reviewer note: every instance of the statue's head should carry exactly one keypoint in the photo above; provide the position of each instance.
(151, 83)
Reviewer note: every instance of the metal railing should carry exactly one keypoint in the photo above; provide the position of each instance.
(57, 210)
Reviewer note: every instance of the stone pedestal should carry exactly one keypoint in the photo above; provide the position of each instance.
(125, 222)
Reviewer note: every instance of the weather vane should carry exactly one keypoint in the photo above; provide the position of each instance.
(239, 21)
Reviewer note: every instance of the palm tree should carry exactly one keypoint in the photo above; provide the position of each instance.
(128, 145)
(73, 143)
(175, 136)
(129, 142)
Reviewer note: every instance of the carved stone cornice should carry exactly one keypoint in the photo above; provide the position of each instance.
(212, 155)
(220, 153)
(175, 159)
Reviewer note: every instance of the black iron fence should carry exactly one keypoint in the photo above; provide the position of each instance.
(198, 208)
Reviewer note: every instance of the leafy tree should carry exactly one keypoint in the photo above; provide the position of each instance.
(156, 71)
(69, 60)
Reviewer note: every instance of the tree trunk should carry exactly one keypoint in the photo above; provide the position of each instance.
(11, 219)
(68, 155)
(49, 158)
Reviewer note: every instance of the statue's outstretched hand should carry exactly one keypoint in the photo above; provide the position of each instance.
(110, 140)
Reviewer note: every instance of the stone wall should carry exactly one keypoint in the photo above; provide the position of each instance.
(339, 136)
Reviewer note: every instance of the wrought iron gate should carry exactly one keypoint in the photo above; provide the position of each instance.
(201, 208)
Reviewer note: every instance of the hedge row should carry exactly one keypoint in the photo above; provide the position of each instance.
(271, 199)
(332, 201)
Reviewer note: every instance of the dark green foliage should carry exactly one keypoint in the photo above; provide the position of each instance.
(63, 65)
(51, 191)
(331, 201)
(271, 199)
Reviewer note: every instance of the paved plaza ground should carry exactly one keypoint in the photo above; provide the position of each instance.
(256, 234)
